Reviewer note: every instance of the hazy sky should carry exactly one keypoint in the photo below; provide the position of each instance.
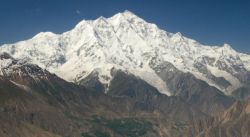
(211, 22)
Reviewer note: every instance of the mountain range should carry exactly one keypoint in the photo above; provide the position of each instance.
(122, 77)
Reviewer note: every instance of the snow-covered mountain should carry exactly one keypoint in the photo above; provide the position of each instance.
(13, 68)
(129, 43)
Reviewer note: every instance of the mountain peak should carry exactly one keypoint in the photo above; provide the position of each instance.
(119, 16)
(227, 46)
(124, 41)
(44, 34)
(177, 37)
(101, 18)
(128, 13)
(228, 50)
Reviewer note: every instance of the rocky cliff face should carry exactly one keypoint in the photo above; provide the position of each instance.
(233, 123)
(35, 102)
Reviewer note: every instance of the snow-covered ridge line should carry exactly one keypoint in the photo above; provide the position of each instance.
(10, 66)
(128, 42)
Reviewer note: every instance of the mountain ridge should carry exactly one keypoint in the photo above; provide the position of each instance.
(122, 77)
(129, 43)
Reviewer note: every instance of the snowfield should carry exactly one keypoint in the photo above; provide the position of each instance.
(129, 43)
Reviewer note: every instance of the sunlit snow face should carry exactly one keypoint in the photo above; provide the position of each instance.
(129, 43)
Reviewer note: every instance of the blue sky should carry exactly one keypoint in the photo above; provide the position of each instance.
(212, 22)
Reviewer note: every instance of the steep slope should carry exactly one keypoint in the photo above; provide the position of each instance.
(129, 43)
(194, 91)
(234, 123)
(34, 102)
